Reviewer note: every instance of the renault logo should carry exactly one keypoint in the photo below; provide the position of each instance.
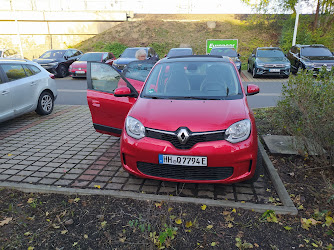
(183, 136)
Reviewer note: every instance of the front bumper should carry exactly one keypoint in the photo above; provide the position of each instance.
(77, 73)
(52, 69)
(273, 71)
(227, 163)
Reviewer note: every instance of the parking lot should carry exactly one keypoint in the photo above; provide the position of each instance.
(63, 153)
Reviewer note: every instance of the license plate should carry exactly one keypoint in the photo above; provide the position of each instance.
(274, 70)
(80, 72)
(183, 160)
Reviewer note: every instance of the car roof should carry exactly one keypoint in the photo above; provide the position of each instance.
(201, 58)
(13, 60)
(269, 48)
(311, 45)
(180, 49)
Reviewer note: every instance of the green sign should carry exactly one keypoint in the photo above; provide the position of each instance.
(211, 43)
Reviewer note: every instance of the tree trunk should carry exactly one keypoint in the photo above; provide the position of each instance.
(315, 24)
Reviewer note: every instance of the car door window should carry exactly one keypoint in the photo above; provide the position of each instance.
(13, 71)
(6, 54)
(68, 53)
(76, 53)
(104, 78)
(28, 71)
(34, 69)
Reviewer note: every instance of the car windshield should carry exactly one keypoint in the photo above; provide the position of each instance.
(269, 53)
(92, 57)
(316, 51)
(51, 54)
(130, 52)
(180, 52)
(138, 70)
(193, 80)
(224, 52)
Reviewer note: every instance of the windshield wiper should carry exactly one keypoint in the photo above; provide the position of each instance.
(154, 97)
(193, 98)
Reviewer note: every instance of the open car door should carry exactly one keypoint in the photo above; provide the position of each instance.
(108, 111)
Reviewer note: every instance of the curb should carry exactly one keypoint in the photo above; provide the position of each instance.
(288, 205)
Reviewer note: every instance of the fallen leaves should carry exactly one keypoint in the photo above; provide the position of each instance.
(5, 221)
(203, 207)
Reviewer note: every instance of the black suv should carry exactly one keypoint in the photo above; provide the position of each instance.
(310, 57)
(58, 61)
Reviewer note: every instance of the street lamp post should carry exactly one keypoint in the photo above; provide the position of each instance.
(297, 7)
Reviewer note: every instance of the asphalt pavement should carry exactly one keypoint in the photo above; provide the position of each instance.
(73, 91)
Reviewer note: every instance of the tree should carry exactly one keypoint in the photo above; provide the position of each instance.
(323, 7)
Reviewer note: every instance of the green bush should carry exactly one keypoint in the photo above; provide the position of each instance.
(115, 48)
(306, 110)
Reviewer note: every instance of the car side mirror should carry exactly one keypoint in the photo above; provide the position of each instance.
(252, 89)
(65, 57)
(238, 55)
(123, 92)
(253, 55)
(298, 54)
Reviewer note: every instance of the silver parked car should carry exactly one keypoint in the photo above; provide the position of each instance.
(24, 87)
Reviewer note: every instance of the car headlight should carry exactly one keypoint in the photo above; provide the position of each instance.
(238, 131)
(52, 64)
(134, 128)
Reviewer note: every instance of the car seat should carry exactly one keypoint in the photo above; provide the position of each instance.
(215, 80)
(178, 82)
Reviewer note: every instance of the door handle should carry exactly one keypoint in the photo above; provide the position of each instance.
(96, 104)
(5, 92)
(33, 83)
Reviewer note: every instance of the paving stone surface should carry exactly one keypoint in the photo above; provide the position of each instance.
(63, 149)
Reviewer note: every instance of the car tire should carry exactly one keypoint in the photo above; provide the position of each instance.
(254, 72)
(45, 103)
(62, 71)
(258, 169)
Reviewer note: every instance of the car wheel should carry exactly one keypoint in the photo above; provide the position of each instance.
(61, 71)
(45, 103)
(258, 170)
(254, 72)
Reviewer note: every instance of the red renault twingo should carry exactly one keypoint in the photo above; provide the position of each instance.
(190, 122)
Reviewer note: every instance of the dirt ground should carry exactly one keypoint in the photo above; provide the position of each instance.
(55, 221)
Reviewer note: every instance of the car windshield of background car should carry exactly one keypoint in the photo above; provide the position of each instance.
(91, 57)
(179, 52)
(270, 53)
(309, 51)
(138, 70)
(130, 53)
(224, 52)
(53, 54)
(193, 80)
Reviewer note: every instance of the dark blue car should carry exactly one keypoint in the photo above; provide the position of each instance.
(129, 55)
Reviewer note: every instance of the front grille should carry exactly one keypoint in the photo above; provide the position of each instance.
(274, 65)
(319, 65)
(185, 172)
(193, 137)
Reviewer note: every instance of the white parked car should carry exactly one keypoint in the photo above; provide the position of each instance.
(9, 54)
(24, 87)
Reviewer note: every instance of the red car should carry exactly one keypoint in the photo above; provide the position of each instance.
(79, 68)
(189, 123)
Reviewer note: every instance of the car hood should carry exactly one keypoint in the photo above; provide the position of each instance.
(79, 64)
(45, 61)
(197, 115)
(124, 60)
(272, 60)
(320, 59)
